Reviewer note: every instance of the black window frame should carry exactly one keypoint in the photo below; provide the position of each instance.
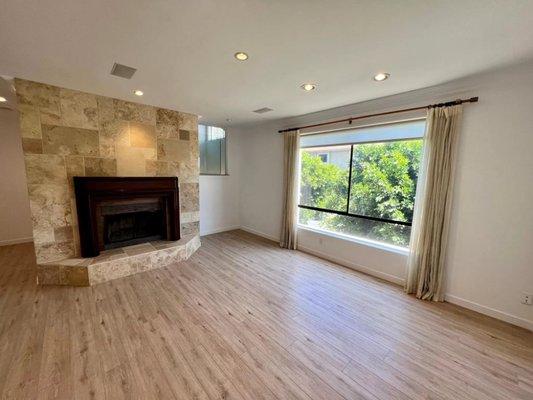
(347, 213)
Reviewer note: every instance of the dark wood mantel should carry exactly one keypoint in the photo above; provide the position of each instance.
(92, 192)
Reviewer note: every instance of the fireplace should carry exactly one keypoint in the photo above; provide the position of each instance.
(115, 212)
(131, 221)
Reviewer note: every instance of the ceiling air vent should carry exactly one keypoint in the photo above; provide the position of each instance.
(263, 110)
(123, 71)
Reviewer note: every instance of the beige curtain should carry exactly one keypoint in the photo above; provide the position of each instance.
(290, 190)
(433, 204)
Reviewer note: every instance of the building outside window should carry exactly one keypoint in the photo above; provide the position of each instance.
(365, 186)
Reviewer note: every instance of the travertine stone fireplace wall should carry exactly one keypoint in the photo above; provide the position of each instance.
(68, 133)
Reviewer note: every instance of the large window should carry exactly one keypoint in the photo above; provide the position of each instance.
(212, 142)
(366, 185)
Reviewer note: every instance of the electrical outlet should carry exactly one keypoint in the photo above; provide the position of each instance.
(527, 298)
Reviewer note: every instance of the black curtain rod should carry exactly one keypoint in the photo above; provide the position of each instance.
(349, 120)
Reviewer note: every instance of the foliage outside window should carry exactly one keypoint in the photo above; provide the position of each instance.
(365, 189)
(212, 141)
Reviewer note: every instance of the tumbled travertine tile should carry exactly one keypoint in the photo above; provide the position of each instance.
(130, 160)
(78, 109)
(124, 267)
(73, 262)
(65, 140)
(188, 121)
(188, 172)
(54, 274)
(45, 168)
(191, 216)
(75, 166)
(142, 135)
(117, 130)
(128, 111)
(167, 256)
(173, 169)
(63, 234)
(77, 271)
(75, 276)
(32, 146)
(118, 256)
(30, 121)
(167, 131)
(163, 244)
(98, 166)
(138, 249)
(112, 252)
(173, 150)
(45, 97)
(49, 205)
(47, 275)
(193, 137)
(113, 133)
(191, 228)
(168, 117)
(193, 245)
(106, 111)
(43, 234)
(53, 251)
(157, 168)
(189, 197)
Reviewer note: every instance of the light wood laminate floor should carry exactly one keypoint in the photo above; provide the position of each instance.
(243, 319)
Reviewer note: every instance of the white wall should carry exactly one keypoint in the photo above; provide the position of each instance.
(490, 257)
(261, 180)
(219, 195)
(15, 222)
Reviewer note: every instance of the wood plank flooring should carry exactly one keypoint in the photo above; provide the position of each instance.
(243, 319)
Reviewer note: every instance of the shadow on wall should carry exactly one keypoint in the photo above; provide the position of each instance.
(15, 221)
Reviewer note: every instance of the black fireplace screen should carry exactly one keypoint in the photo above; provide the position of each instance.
(131, 228)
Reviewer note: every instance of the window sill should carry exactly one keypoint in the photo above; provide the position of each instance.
(365, 242)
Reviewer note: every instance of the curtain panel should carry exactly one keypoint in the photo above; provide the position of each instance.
(426, 261)
(289, 231)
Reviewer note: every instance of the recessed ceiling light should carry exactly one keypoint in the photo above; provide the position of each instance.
(200, 117)
(241, 56)
(381, 76)
(2, 99)
(308, 87)
(138, 92)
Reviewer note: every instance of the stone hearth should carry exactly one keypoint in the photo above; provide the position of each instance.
(117, 263)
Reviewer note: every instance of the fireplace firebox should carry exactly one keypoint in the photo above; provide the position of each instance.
(115, 212)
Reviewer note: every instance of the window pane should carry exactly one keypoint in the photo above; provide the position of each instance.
(384, 173)
(324, 177)
(385, 232)
(380, 133)
(384, 177)
(212, 142)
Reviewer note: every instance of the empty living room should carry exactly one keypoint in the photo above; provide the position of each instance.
(254, 199)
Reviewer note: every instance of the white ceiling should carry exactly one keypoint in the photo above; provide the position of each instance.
(183, 50)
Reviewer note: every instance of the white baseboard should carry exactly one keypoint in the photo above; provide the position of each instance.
(255, 232)
(369, 271)
(218, 230)
(16, 241)
(491, 312)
